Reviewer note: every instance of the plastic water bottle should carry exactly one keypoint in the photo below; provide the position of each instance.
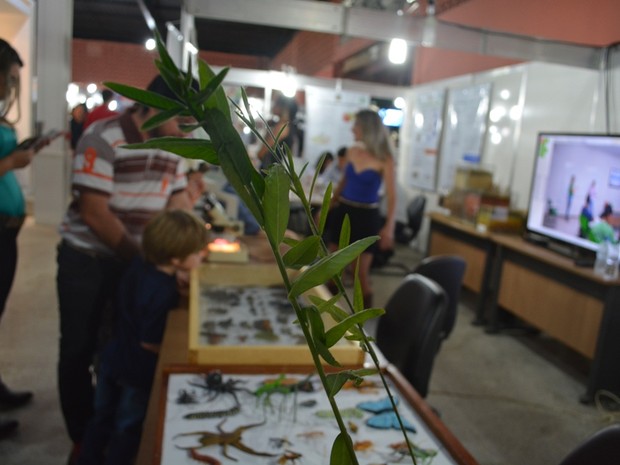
(611, 261)
(601, 259)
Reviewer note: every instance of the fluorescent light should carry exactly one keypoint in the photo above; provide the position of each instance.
(191, 48)
(398, 51)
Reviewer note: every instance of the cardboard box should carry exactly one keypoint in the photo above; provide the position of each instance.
(241, 278)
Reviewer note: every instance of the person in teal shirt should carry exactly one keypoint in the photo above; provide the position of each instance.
(12, 205)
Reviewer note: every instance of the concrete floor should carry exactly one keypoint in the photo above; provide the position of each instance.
(510, 398)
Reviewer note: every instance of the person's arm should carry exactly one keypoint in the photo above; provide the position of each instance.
(96, 214)
(180, 200)
(17, 159)
(343, 179)
(387, 231)
(150, 347)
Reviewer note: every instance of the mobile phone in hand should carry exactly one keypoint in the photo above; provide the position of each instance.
(38, 142)
(27, 143)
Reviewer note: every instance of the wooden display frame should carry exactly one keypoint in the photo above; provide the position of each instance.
(450, 450)
(254, 274)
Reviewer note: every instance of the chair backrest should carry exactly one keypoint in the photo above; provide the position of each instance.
(448, 272)
(408, 334)
(415, 214)
(603, 448)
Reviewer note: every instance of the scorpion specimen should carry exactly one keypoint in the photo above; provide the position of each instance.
(223, 439)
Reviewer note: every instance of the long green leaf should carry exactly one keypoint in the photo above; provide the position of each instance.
(325, 354)
(329, 266)
(302, 253)
(340, 454)
(164, 56)
(145, 97)
(345, 233)
(358, 296)
(197, 149)
(248, 109)
(335, 333)
(212, 87)
(316, 324)
(235, 162)
(276, 203)
(335, 381)
(160, 118)
(327, 198)
(338, 314)
(172, 77)
(218, 100)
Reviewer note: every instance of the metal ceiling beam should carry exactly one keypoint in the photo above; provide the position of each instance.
(336, 18)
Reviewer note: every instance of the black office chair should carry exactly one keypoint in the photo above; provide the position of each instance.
(404, 235)
(408, 334)
(448, 272)
(603, 448)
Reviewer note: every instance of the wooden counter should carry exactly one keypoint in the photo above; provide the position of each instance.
(543, 288)
(450, 236)
(570, 303)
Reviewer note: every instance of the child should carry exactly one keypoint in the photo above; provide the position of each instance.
(173, 241)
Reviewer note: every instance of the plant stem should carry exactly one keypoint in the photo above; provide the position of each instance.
(315, 356)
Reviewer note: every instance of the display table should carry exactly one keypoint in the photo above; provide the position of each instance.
(570, 303)
(174, 352)
(450, 236)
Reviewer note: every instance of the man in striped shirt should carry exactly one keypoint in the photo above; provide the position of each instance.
(115, 192)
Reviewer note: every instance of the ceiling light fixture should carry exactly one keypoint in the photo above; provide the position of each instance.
(191, 48)
(288, 84)
(397, 53)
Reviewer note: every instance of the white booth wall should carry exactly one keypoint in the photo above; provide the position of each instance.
(548, 97)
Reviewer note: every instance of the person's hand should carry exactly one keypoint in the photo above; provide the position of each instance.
(183, 278)
(21, 158)
(386, 241)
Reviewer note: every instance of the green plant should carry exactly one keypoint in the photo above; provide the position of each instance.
(267, 197)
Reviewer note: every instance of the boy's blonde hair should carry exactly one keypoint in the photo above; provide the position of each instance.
(173, 234)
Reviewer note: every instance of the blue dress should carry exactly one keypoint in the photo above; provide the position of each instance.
(359, 200)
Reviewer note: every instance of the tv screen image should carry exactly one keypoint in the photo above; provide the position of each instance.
(575, 195)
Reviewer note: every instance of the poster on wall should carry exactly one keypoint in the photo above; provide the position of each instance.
(329, 119)
(464, 129)
(427, 122)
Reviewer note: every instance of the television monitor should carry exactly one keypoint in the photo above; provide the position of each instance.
(575, 196)
(392, 117)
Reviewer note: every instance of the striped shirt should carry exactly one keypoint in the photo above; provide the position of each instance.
(139, 183)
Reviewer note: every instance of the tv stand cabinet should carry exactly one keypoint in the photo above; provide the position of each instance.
(450, 236)
(570, 303)
(543, 288)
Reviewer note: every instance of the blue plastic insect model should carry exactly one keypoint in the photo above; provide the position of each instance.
(385, 417)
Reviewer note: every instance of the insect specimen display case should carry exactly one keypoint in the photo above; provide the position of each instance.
(280, 416)
(251, 321)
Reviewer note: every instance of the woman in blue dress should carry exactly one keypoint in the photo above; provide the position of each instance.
(370, 165)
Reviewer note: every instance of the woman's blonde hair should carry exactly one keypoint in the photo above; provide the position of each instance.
(374, 134)
(173, 234)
